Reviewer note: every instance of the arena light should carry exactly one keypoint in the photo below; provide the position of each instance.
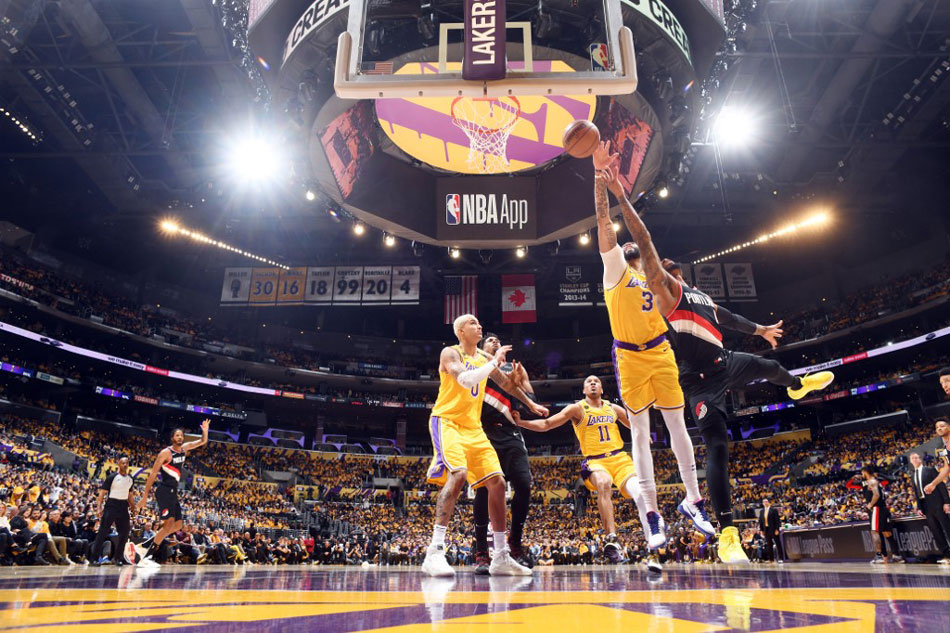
(734, 126)
(584, 238)
(389, 240)
(171, 227)
(310, 195)
(455, 253)
(663, 191)
(817, 219)
(21, 125)
(616, 226)
(521, 251)
(255, 159)
(359, 228)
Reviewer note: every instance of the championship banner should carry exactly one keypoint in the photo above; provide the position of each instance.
(740, 282)
(518, 299)
(708, 278)
(687, 273)
(576, 284)
(321, 285)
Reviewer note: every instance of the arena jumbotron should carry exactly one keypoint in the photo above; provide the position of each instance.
(353, 315)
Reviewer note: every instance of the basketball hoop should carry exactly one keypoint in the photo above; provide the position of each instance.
(487, 122)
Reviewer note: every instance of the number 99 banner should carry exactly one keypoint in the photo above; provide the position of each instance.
(328, 285)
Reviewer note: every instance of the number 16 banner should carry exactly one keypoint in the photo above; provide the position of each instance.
(518, 301)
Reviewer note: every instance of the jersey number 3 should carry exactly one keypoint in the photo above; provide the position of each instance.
(647, 301)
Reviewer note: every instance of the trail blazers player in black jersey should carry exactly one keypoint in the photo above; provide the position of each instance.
(499, 423)
(167, 470)
(706, 370)
(879, 517)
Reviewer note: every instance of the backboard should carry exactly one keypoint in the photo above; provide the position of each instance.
(484, 48)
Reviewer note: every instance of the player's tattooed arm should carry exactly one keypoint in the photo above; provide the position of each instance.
(568, 413)
(606, 237)
(509, 385)
(664, 286)
(872, 485)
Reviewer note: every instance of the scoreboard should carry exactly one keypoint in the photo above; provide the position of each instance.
(321, 285)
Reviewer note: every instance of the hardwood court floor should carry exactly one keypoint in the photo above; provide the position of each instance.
(813, 597)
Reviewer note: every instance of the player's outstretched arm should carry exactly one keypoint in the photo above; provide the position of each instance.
(190, 446)
(164, 456)
(606, 236)
(509, 385)
(570, 412)
(738, 323)
(663, 285)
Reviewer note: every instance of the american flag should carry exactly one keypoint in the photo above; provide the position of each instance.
(377, 68)
(461, 297)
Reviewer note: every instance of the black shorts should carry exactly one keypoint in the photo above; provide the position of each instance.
(879, 519)
(511, 450)
(706, 390)
(168, 506)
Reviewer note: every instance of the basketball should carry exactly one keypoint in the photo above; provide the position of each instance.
(581, 138)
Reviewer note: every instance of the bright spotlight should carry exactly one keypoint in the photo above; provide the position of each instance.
(734, 126)
(663, 192)
(616, 226)
(169, 226)
(359, 228)
(255, 159)
(455, 253)
(584, 239)
(311, 196)
(520, 252)
(389, 240)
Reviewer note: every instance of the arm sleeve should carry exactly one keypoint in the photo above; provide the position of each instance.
(735, 322)
(614, 266)
(472, 377)
(107, 483)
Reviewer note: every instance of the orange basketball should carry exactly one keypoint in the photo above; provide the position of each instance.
(581, 138)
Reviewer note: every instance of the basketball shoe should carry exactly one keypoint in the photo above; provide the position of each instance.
(730, 548)
(435, 563)
(481, 563)
(656, 534)
(696, 512)
(502, 564)
(811, 382)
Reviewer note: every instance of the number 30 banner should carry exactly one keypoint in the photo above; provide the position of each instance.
(327, 285)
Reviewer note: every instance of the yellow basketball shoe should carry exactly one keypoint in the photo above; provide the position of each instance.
(730, 548)
(811, 382)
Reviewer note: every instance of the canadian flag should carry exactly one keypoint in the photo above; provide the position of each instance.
(518, 304)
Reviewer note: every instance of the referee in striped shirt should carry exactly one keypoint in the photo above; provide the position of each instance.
(117, 509)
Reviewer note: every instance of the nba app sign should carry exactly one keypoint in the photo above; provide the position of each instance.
(486, 208)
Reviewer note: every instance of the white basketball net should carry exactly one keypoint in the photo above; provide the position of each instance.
(487, 122)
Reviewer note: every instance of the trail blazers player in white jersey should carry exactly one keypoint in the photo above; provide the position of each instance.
(167, 471)
(706, 370)
(644, 363)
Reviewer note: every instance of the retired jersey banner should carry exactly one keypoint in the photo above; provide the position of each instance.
(321, 285)
(708, 278)
(518, 299)
(739, 281)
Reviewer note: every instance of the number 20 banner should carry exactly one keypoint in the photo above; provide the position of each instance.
(326, 285)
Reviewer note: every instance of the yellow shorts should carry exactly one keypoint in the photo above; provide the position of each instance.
(648, 378)
(619, 467)
(457, 447)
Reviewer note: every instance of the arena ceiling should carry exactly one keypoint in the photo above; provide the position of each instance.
(132, 104)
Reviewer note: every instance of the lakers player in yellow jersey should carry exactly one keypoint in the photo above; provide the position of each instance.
(462, 451)
(606, 463)
(644, 365)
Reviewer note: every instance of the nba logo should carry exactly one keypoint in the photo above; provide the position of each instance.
(453, 209)
(599, 59)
